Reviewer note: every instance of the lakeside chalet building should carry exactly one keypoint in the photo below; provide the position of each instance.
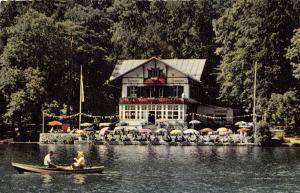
(159, 89)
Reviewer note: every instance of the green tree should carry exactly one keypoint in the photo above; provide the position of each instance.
(284, 110)
(24, 92)
(249, 32)
(91, 47)
(167, 29)
(29, 62)
(293, 53)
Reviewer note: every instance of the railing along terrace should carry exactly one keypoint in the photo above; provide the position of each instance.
(173, 100)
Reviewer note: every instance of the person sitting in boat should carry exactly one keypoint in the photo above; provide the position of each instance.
(47, 160)
(79, 161)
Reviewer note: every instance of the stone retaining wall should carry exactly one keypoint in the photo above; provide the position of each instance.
(65, 138)
(61, 138)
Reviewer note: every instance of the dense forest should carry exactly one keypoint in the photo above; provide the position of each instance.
(43, 44)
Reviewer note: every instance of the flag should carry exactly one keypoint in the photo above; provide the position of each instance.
(81, 86)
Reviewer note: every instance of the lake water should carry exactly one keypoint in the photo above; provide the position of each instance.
(157, 169)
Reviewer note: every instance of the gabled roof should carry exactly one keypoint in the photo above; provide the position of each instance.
(193, 68)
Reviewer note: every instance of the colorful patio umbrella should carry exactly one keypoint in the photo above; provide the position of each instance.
(54, 123)
(105, 124)
(176, 132)
(86, 124)
(79, 131)
(195, 122)
(122, 124)
(143, 130)
(243, 130)
(130, 128)
(119, 128)
(161, 130)
(89, 129)
(104, 131)
(191, 131)
(206, 130)
(243, 124)
(240, 123)
(222, 129)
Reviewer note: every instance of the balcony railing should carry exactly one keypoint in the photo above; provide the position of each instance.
(155, 80)
(126, 100)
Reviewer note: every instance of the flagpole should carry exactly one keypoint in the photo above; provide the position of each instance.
(80, 96)
(254, 102)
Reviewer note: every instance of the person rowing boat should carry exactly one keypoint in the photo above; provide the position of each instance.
(47, 160)
(78, 164)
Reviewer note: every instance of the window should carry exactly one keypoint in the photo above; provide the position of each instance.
(158, 115)
(129, 112)
(161, 92)
(144, 114)
(177, 91)
(169, 114)
(127, 115)
(175, 115)
(150, 91)
(132, 91)
(155, 72)
(132, 114)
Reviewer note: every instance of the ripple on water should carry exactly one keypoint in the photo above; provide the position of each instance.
(157, 169)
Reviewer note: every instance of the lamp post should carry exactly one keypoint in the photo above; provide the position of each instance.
(43, 122)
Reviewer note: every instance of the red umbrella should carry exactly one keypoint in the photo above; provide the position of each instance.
(143, 130)
(54, 123)
(243, 130)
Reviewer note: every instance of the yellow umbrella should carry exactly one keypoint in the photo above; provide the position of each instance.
(86, 124)
(79, 131)
(104, 124)
(176, 132)
(160, 130)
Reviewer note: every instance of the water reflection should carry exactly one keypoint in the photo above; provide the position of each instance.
(152, 154)
(157, 169)
(79, 179)
(47, 179)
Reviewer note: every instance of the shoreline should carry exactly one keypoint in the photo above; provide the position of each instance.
(157, 144)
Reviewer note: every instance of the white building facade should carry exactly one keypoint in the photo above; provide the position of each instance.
(158, 89)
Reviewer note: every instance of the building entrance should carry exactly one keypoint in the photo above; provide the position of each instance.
(151, 117)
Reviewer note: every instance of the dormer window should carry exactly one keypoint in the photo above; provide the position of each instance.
(155, 76)
(155, 72)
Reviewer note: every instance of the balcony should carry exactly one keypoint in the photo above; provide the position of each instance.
(151, 100)
(155, 80)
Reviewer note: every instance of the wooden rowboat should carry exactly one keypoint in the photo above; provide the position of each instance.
(6, 141)
(21, 168)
